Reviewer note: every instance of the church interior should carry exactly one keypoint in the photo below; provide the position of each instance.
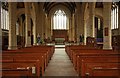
(60, 39)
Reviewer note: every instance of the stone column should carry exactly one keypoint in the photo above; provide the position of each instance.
(91, 19)
(79, 22)
(78, 26)
(107, 26)
(35, 23)
(70, 29)
(52, 22)
(49, 27)
(34, 33)
(0, 44)
(21, 26)
(73, 27)
(85, 31)
(67, 23)
(27, 25)
(12, 26)
(0, 34)
(119, 20)
(39, 22)
(79, 17)
(82, 29)
(46, 25)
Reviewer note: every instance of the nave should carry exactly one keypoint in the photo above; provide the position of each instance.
(60, 64)
(91, 30)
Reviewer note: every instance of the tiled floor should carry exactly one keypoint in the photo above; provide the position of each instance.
(60, 65)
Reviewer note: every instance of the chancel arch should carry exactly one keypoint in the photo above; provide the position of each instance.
(67, 14)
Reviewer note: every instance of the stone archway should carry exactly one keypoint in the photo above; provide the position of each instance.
(66, 7)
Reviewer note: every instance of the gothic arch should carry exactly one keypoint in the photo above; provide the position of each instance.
(65, 9)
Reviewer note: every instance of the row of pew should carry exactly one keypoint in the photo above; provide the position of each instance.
(90, 62)
(27, 62)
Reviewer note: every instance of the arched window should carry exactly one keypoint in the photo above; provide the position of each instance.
(114, 16)
(59, 20)
(4, 17)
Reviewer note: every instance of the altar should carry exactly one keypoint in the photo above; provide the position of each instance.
(59, 40)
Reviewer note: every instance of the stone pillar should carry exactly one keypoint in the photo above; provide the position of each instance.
(79, 26)
(12, 26)
(27, 25)
(39, 19)
(107, 26)
(67, 23)
(0, 34)
(91, 19)
(34, 33)
(119, 20)
(85, 31)
(46, 26)
(79, 22)
(49, 27)
(0, 44)
(82, 29)
(21, 26)
(70, 27)
(35, 23)
(73, 27)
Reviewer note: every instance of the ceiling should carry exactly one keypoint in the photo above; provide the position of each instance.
(20, 5)
(49, 5)
(99, 5)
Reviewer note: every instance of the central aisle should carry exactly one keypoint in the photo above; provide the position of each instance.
(60, 64)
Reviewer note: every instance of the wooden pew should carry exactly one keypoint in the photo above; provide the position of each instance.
(83, 58)
(80, 58)
(48, 49)
(27, 68)
(99, 66)
(89, 51)
(34, 49)
(31, 54)
(72, 51)
(76, 47)
(25, 54)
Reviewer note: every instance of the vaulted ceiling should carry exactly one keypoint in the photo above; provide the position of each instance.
(49, 5)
